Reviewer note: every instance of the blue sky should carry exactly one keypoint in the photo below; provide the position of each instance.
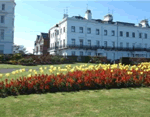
(33, 17)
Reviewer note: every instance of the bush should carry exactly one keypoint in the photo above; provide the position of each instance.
(26, 61)
(55, 59)
(17, 56)
(62, 60)
(1, 57)
(14, 62)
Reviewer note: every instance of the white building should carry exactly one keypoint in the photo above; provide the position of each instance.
(7, 8)
(83, 36)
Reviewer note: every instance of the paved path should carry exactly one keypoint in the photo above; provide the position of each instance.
(11, 69)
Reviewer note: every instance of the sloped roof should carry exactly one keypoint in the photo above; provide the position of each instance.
(44, 35)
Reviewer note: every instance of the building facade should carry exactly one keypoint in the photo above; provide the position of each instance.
(41, 44)
(7, 9)
(84, 36)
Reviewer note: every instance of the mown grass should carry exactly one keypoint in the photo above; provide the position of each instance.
(26, 73)
(88, 103)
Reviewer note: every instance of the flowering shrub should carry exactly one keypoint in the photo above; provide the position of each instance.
(77, 78)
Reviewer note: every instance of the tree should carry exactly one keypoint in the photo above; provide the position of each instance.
(19, 49)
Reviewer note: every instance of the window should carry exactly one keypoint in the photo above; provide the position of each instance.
(140, 35)
(61, 31)
(113, 44)
(97, 43)
(121, 45)
(81, 29)
(60, 42)
(2, 34)
(105, 32)
(64, 43)
(128, 55)
(127, 44)
(64, 29)
(89, 42)
(73, 42)
(2, 19)
(121, 33)
(1, 49)
(133, 45)
(145, 36)
(89, 53)
(127, 34)
(97, 31)
(81, 42)
(57, 32)
(73, 53)
(3, 6)
(72, 28)
(89, 30)
(133, 34)
(113, 33)
(145, 45)
(105, 43)
(81, 53)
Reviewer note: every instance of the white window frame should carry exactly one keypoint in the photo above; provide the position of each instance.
(2, 19)
(97, 31)
(81, 29)
(88, 30)
(72, 28)
(3, 7)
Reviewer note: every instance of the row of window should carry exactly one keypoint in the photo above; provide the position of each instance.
(105, 32)
(105, 43)
(57, 32)
(73, 53)
(98, 32)
(57, 44)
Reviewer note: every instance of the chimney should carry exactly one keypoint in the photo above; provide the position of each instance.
(88, 15)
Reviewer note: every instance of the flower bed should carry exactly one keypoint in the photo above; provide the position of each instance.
(94, 77)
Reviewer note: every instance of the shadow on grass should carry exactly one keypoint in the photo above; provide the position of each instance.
(63, 91)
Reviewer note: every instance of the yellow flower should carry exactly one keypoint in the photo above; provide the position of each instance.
(29, 75)
(30, 70)
(13, 72)
(45, 67)
(40, 68)
(17, 71)
(50, 70)
(41, 71)
(7, 74)
(1, 75)
(111, 70)
(141, 72)
(58, 73)
(35, 72)
(20, 70)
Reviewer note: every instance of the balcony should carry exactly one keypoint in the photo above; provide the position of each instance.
(108, 48)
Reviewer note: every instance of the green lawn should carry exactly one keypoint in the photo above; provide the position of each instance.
(94, 103)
